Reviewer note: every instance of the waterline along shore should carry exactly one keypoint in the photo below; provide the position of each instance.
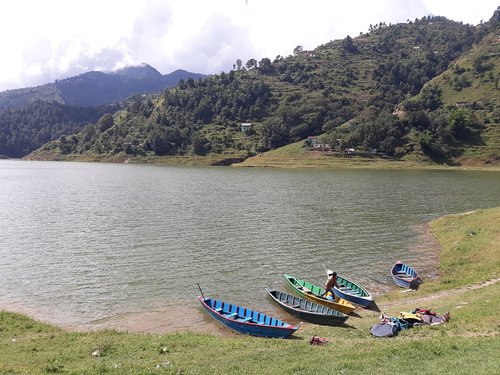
(291, 156)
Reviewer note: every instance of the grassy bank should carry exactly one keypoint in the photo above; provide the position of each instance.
(291, 156)
(296, 156)
(468, 344)
(190, 160)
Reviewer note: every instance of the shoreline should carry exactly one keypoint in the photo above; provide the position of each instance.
(165, 320)
(468, 289)
(273, 159)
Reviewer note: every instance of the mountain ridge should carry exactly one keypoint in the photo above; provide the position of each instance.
(96, 88)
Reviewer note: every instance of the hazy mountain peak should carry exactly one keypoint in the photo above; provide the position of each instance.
(138, 71)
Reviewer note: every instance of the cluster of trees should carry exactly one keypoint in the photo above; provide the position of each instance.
(173, 122)
(25, 129)
(306, 94)
(424, 125)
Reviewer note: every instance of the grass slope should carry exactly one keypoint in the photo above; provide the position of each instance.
(296, 156)
(463, 82)
(468, 344)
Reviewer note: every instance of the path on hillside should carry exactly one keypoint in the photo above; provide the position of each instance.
(441, 294)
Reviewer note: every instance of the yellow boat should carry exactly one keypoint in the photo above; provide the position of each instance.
(315, 293)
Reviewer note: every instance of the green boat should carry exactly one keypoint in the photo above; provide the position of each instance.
(315, 293)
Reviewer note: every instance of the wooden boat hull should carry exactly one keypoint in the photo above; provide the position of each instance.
(404, 276)
(352, 292)
(307, 310)
(314, 293)
(246, 321)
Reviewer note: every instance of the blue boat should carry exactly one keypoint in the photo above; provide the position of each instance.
(246, 321)
(405, 276)
(351, 291)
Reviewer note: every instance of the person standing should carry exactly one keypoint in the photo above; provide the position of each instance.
(330, 284)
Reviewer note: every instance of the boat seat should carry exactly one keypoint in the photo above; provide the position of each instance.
(218, 309)
(232, 315)
(296, 306)
(248, 318)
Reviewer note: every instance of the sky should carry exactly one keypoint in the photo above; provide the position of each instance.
(41, 41)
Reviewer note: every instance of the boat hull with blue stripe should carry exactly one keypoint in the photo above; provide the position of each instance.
(405, 276)
(247, 321)
(352, 292)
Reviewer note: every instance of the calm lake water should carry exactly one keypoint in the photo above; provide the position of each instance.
(110, 245)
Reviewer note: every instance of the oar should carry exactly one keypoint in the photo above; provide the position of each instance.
(201, 291)
(326, 270)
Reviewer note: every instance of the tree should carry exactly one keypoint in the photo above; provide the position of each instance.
(200, 144)
(478, 65)
(349, 45)
(239, 64)
(298, 50)
(426, 142)
(265, 65)
(105, 122)
(252, 63)
(459, 122)
(419, 120)
(431, 96)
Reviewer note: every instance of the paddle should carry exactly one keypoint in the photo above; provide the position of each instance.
(201, 291)
(328, 272)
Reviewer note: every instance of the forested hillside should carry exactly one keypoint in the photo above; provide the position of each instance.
(25, 129)
(34, 116)
(455, 115)
(346, 89)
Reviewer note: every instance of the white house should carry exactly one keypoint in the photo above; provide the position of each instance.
(245, 126)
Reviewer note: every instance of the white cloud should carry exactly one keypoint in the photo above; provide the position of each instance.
(44, 40)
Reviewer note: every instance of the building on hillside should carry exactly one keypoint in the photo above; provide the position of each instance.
(312, 140)
(322, 147)
(245, 127)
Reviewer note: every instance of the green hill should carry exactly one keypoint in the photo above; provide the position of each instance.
(473, 82)
(31, 117)
(25, 129)
(345, 89)
(453, 120)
